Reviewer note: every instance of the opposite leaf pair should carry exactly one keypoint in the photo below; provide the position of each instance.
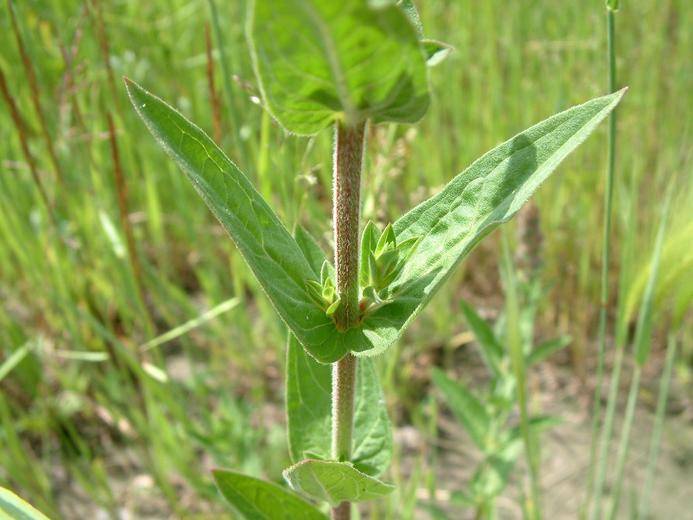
(446, 227)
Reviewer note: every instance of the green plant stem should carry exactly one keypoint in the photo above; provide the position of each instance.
(606, 255)
(624, 444)
(641, 352)
(348, 162)
(514, 339)
(606, 431)
(655, 441)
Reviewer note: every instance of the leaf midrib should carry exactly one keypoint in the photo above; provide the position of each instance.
(330, 52)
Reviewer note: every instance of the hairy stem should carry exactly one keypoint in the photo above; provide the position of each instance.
(348, 162)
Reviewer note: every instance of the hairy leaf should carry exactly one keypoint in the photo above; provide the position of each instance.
(485, 195)
(271, 252)
(319, 60)
(309, 408)
(13, 507)
(334, 482)
(255, 499)
(465, 406)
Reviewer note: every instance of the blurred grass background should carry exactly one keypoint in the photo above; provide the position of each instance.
(104, 245)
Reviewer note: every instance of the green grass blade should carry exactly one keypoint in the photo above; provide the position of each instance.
(641, 352)
(656, 439)
(14, 508)
(192, 324)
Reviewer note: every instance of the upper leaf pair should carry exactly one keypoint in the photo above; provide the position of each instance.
(447, 226)
(318, 61)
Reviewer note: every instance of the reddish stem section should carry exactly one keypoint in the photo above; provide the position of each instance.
(348, 162)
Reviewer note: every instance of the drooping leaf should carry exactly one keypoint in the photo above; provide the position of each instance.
(309, 408)
(466, 407)
(473, 204)
(271, 252)
(491, 349)
(319, 60)
(334, 482)
(255, 499)
(547, 348)
(13, 507)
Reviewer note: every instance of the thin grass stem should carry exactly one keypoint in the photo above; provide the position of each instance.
(514, 341)
(641, 352)
(34, 91)
(656, 439)
(606, 256)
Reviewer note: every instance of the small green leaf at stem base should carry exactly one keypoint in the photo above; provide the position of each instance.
(255, 499)
(309, 408)
(334, 482)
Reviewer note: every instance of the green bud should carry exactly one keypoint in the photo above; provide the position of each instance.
(387, 240)
(333, 307)
(369, 240)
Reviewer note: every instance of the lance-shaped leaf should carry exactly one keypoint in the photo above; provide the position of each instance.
(255, 499)
(473, 204)
(319, 60)
(466, 407)
(271, 252)
(547, 348)
(309, 408)
(491, 349)
(15, 508)
(334, 482)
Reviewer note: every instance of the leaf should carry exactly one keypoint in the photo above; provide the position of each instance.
(273, 255)
(312, 251)
(255, 499)
(413, 14)
(13, 507)
(473, 204)
(309, 409)
(436, 51)
(494, 471)
(334, 482)
(466, 407)
(545, 349)
(491, 349)
(369, 239)
(318, 61)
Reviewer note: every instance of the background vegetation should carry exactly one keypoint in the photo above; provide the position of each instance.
(104, 246)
